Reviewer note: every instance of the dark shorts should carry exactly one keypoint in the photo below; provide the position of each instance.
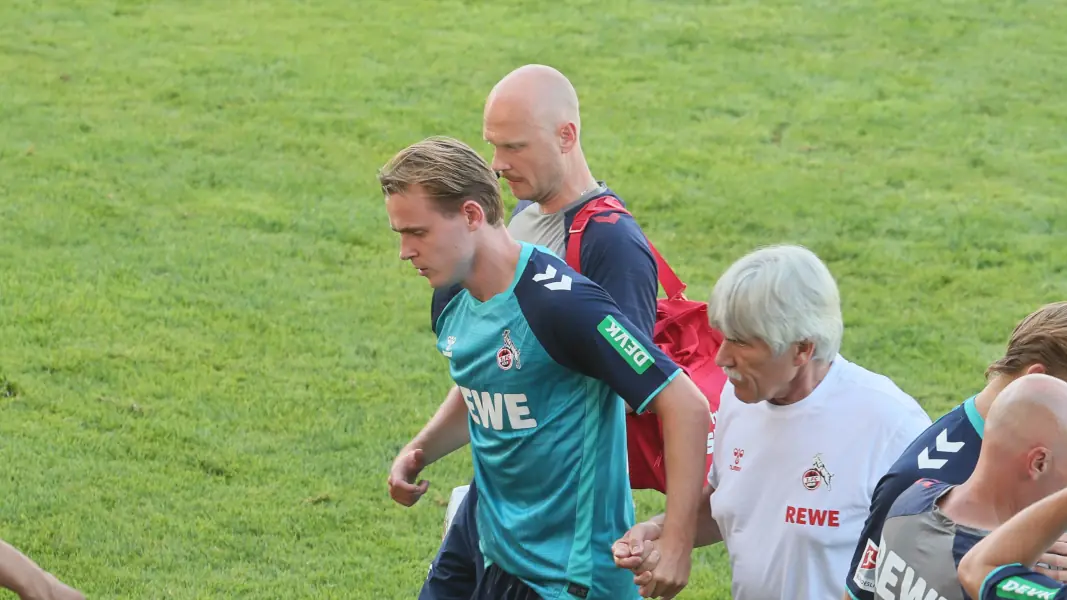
(458, 567)
(498, 585)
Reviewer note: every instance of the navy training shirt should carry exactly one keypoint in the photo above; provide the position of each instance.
(947, 451)
(921, 547)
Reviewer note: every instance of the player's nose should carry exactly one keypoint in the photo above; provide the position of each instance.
(724, 358)
(499, 165)
(407, 250)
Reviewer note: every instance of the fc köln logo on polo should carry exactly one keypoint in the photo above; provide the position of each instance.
(508, 355)
(817, 475)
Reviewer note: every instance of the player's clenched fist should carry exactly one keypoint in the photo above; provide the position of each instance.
(633, 551)
(402, 486)
(660, 566)
(668, 573)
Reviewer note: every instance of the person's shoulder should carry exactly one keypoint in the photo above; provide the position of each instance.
(881, 387)
(938, 450)
(548, 282)
(919, 497)
(881, 397)
(611, 227)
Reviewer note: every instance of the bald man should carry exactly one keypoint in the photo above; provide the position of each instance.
(531, 119)
(932, 525)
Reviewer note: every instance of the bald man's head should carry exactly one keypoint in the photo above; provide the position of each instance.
(535, 93)
(1025, 433)
(531, 119)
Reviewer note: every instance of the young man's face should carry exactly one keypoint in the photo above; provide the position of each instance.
(439, 246)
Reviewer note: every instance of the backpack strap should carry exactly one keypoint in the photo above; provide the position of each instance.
(672, 284)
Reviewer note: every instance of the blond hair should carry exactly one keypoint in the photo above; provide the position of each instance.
(1040, 338)
(449, 172)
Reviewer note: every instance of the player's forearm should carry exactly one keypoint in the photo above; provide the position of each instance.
(446, 431)
(707, 530)
(1022, 539)
(20, 574)
(683, 411)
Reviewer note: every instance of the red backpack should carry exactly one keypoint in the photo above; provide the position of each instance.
(682, 331)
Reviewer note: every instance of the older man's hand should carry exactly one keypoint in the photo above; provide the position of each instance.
(1053, 563)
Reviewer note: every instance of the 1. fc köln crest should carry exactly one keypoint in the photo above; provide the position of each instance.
(817, 475)
(508, 355)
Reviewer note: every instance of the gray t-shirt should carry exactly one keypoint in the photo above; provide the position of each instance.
(921, 547)
(530, 225)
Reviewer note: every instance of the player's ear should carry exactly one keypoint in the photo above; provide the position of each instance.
(805, 352)
(1040, 462)
(473, 213)
(568, 137)
(1036, 368)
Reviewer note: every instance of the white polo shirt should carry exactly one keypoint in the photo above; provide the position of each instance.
(793, 484)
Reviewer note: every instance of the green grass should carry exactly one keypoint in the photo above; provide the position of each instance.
(211, 353)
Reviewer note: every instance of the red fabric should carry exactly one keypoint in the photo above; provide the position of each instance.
(682, 331)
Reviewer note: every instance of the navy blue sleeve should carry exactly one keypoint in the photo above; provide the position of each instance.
(861, 574)
(616, 256)
(1016, 581)
(961, 544)
(582, 328)
(441, 298)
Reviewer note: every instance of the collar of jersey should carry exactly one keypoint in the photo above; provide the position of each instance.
(940, 514)
(520, 267)
(600, 189)
(972, 415)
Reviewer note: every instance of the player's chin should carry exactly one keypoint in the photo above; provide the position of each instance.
(438, 279)
(745, 394)
(520, 189)
(432, 277)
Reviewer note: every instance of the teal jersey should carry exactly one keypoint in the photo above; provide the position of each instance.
(544, 369)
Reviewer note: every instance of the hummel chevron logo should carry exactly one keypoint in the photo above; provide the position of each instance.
(550, 273)
(942, 445)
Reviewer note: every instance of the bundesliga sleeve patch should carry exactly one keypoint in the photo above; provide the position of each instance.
(624, 343)
(1018, 587)
(864, 576)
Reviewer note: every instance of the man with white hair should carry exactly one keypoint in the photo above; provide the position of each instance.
(803, 435)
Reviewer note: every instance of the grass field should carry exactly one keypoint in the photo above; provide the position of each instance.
(211, 352)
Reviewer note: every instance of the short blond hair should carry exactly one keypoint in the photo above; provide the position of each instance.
(449, 172)
(1040, 338)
